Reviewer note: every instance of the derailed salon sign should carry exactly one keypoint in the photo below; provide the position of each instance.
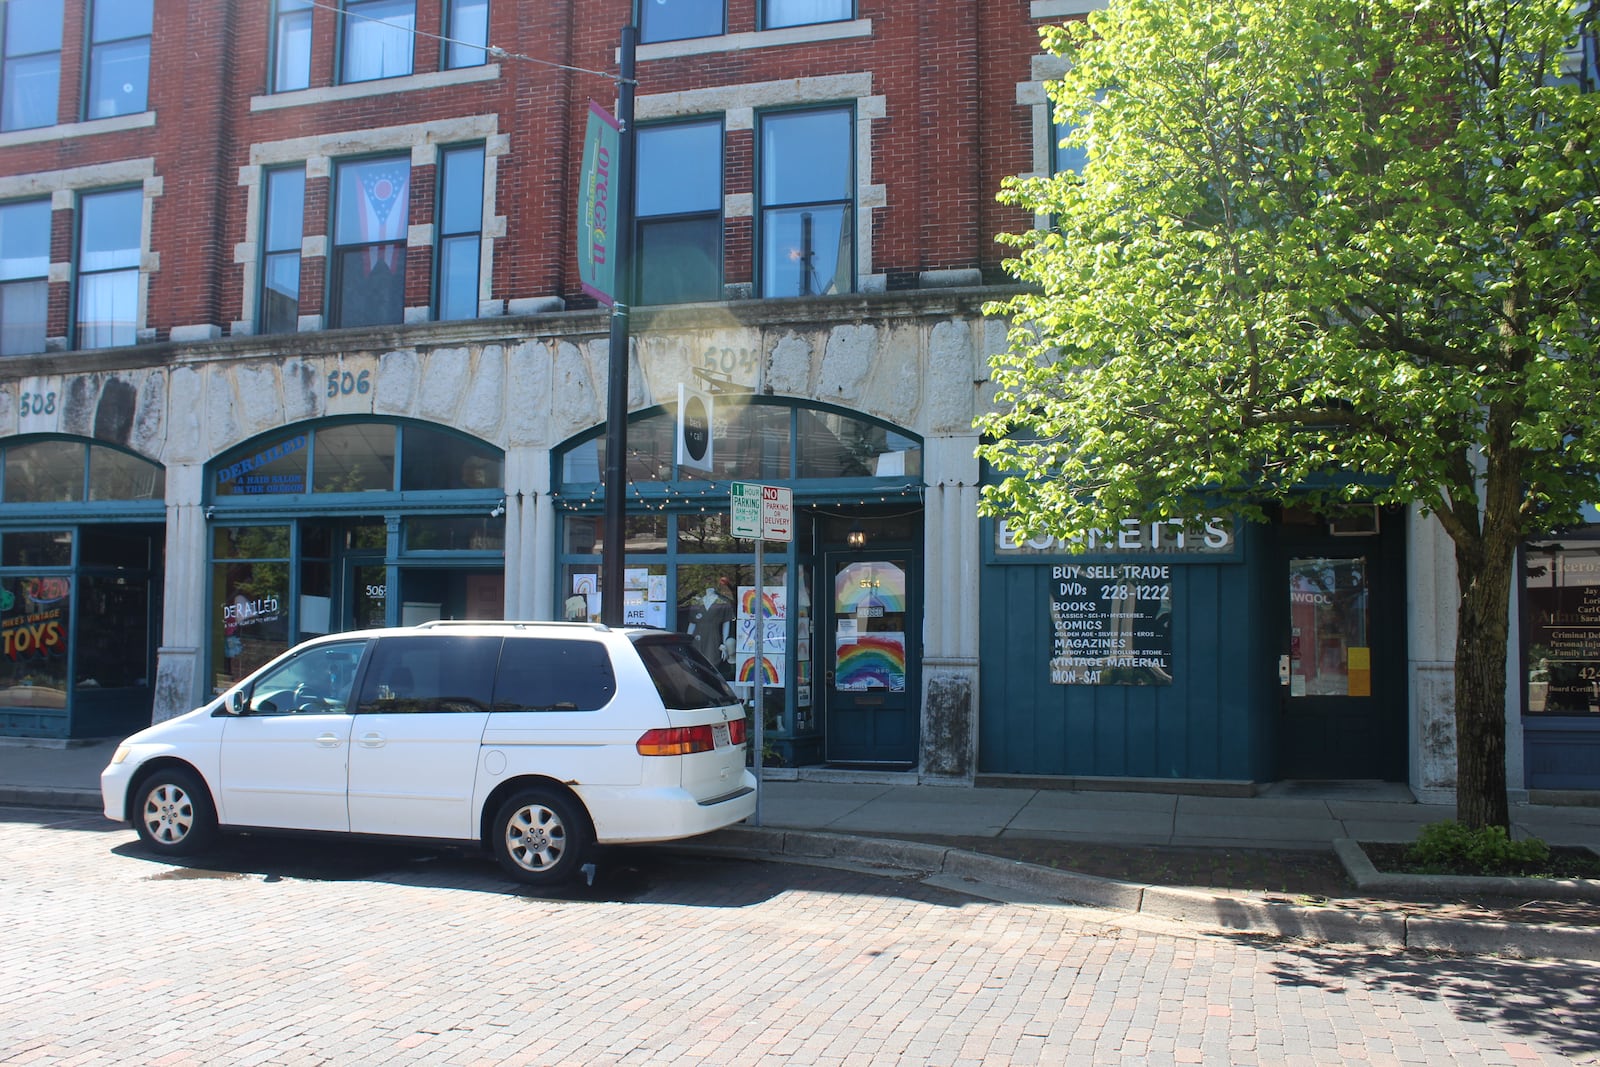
(1111, 620)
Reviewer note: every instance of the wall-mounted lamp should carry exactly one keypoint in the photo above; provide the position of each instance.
(210, 511)
(857, 537)
(499, 510)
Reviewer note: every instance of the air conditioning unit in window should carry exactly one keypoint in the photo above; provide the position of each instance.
(1356, 522)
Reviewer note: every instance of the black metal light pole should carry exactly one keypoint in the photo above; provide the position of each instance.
(616, 473)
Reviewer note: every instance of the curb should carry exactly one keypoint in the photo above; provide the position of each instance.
(24, 796)
(1239, 914)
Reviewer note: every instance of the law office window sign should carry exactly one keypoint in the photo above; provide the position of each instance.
(1561, 642)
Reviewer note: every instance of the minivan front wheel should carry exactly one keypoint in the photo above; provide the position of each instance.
(540, 837)
(172, 813)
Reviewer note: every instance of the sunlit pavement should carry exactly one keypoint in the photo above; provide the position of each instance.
(290, 952)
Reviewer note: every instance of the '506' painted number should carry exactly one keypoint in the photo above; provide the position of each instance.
(343, 383)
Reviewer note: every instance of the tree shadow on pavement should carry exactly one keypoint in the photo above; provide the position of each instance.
(1554, 1002)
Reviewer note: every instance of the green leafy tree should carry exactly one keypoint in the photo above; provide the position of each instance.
(1322, 251)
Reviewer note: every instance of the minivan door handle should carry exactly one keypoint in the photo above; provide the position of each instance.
(373, 740)
(328, 740)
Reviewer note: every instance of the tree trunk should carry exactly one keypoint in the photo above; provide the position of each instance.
(1480, 672)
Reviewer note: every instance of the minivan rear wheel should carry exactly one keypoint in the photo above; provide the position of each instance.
(540, 837)
(172, 813)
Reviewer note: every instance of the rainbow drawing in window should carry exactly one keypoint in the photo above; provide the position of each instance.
(771, 671)
(872, 589)
(871, 661)
(773, 602)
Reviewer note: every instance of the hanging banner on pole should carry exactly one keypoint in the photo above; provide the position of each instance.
(694, 429)
(597, 253)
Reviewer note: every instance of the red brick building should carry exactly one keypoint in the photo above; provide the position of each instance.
(294, 339)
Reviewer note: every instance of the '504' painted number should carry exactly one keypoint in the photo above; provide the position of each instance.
(343, 383)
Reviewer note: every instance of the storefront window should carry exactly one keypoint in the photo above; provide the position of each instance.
(44, 472)
(34, 631)
(114, 631)
(117, 475)
(36, 548)
(455, 534)
(435, 460)
(250, 588)
(1561, 643)
(274, 468)
(356, 458)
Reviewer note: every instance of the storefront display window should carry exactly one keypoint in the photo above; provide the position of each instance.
(35, 618)
(36, 548)
(250, 588)
(354, 458)
(1561, 642)
(456, 534)
(117, 475)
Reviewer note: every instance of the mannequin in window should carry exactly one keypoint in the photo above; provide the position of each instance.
(711, 622)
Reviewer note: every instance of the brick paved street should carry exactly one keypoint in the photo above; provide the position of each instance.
(296, 953)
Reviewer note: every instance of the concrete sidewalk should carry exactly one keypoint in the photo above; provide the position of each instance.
(1287, 815)
(830, 816)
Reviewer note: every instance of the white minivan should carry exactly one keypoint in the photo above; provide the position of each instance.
(536, 739)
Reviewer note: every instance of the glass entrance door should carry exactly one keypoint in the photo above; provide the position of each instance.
(871, 708)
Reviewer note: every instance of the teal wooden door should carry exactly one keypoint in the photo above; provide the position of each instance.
(1342, 683)
(869, 681)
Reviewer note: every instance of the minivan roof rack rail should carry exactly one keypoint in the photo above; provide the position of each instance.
(435, 624)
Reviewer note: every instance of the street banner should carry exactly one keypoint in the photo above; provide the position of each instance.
(597, 244)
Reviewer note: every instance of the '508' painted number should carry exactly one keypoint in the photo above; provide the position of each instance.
(37, 404)
(343, 383)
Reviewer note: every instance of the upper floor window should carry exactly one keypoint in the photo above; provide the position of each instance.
(460, 229)
(30, 78)
(806, 180)
(377, 37)
(371, 218)
(291, 45)
(119, 58)
(674, 20)
(57, 471)
(678, 252)
(779, 13)
(24, 276)
(467, 27)
(108, 267)
(281, 233)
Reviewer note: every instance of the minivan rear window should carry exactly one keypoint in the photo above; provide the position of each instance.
(682, 676)
(545, 674)
(435, 673)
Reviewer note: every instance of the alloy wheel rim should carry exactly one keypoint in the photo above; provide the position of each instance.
(168, 813)
(535, 838)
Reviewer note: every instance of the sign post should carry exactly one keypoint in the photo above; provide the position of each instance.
(760, 512)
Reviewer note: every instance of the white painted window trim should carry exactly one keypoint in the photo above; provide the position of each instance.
(63, 188)
(738, 105)
(744, 42)
(319, 152)
(377, 87)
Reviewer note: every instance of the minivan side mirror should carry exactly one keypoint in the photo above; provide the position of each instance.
(237, 703)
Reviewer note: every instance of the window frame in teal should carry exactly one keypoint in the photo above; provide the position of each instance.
(24, 274)
(355, 23)
(696, 20)
(283, 197)
(121, 270)
(466, 30)
(458, 229)
(773, 15)
(105, 42)
(349, 245)
(15, 66)
(684, 194)
(777, 203)
(289, 66)
(85, 494)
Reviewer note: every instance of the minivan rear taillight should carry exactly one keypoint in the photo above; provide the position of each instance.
(676, 741)
(737, 732)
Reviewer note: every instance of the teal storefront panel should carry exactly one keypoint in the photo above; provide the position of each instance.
(1210, 722)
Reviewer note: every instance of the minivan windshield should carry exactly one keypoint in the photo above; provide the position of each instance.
(682, 676)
